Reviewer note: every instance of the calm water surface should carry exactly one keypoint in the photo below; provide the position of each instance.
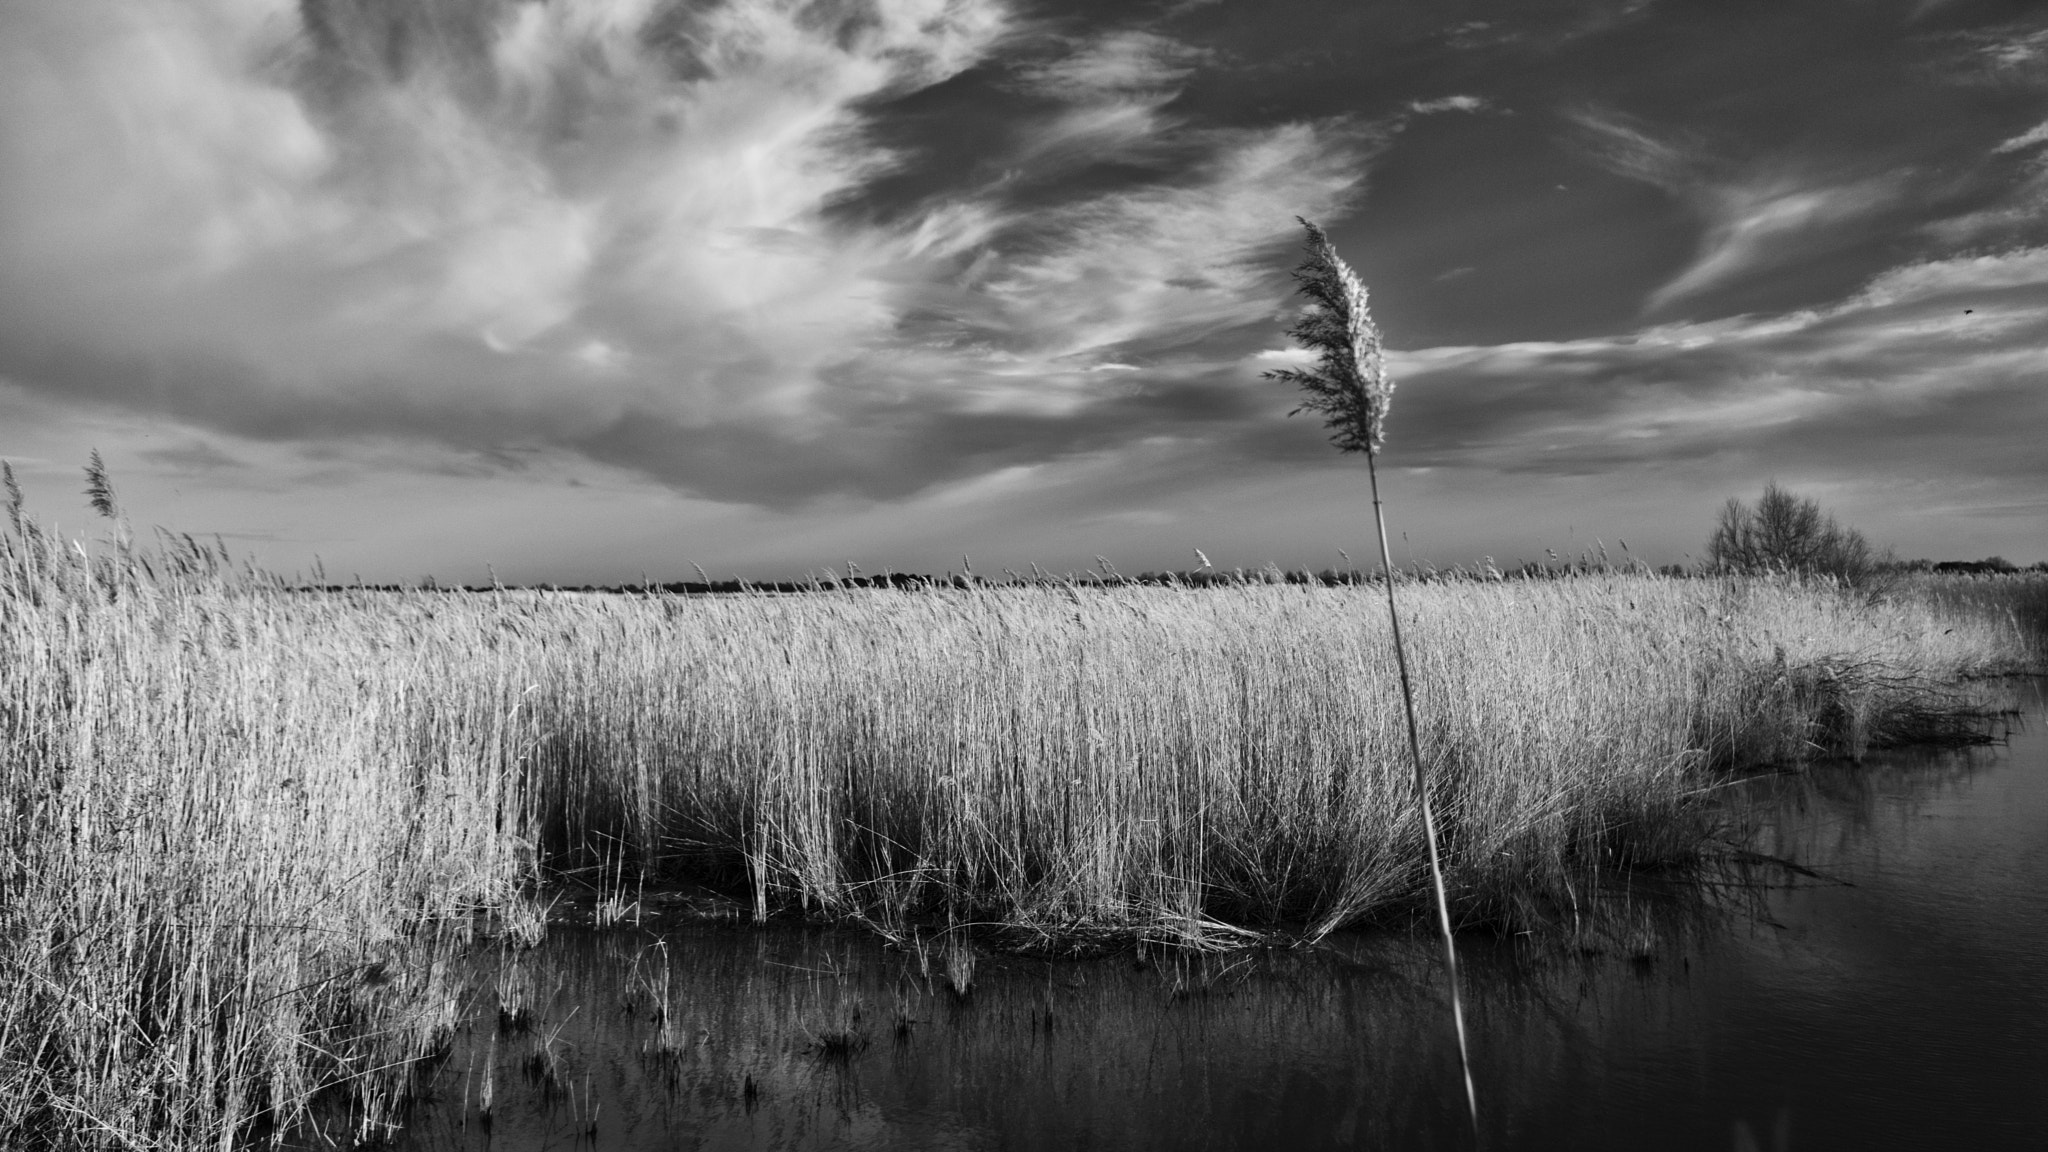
(1892, 992)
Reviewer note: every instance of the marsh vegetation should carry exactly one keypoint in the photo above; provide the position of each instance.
(247, 823)
(1677, 1012)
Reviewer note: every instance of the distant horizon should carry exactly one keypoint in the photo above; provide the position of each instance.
(1595, 550)
(829, 580)
(586, 289)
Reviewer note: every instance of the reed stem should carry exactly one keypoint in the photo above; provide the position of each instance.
(1436, 869)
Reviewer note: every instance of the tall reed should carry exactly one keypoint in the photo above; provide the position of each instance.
(1350, 387)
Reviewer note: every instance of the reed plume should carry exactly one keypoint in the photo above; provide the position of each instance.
(99, 489)
(14, 500)
(1349, 385)
(1350, 388)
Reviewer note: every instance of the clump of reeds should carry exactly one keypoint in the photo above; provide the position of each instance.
(217, 891)
(240, 815)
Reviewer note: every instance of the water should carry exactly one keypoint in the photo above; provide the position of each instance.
(1889, 992)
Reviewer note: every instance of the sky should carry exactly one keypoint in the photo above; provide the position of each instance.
(597, 290)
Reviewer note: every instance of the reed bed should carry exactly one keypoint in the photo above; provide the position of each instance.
(246, 821)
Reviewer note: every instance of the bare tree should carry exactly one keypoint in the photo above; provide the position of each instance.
(1786, 533)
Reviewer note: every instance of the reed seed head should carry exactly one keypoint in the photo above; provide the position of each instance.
(1349, 385)
(99, 489)
(14, 500)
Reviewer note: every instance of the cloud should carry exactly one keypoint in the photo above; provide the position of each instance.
(2012, 203)
(1119, 62)
(2015, 210)
(1929, 363)
(1756, 217)
(193, 456)
(619, 231)
(1629, 148)
(671, 241)
(1125, 129)
(2036, 135)
(1954, 279)
(1162, 264)
(1111, 89)
(2013, 54)
(1768, 222)
(1473, 35)
(1917, 392)
(1448, 104)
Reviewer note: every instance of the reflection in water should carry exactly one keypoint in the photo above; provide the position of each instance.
(1870, 970)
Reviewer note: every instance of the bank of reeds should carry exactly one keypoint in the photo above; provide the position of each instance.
(240, 815)
(235, 818)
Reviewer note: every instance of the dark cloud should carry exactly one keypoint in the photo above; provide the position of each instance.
(873, 251)
(622, 231)
(196, 456)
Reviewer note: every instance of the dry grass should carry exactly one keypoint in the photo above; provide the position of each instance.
(241, 816)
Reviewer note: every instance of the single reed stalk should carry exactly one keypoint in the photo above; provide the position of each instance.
(1436, 868)
(1350, 388)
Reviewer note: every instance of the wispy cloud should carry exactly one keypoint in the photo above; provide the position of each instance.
(1117, 62)
(1111, 89)
(1767, 222)
(1448, 104)
(611, 230)
(2014, 53)
(1755, 217)
(2011, 205)
(1628, 147)
(192, 457)
(1928, 362)
(1474, 34)
(2032, 137)
(1166, 263)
